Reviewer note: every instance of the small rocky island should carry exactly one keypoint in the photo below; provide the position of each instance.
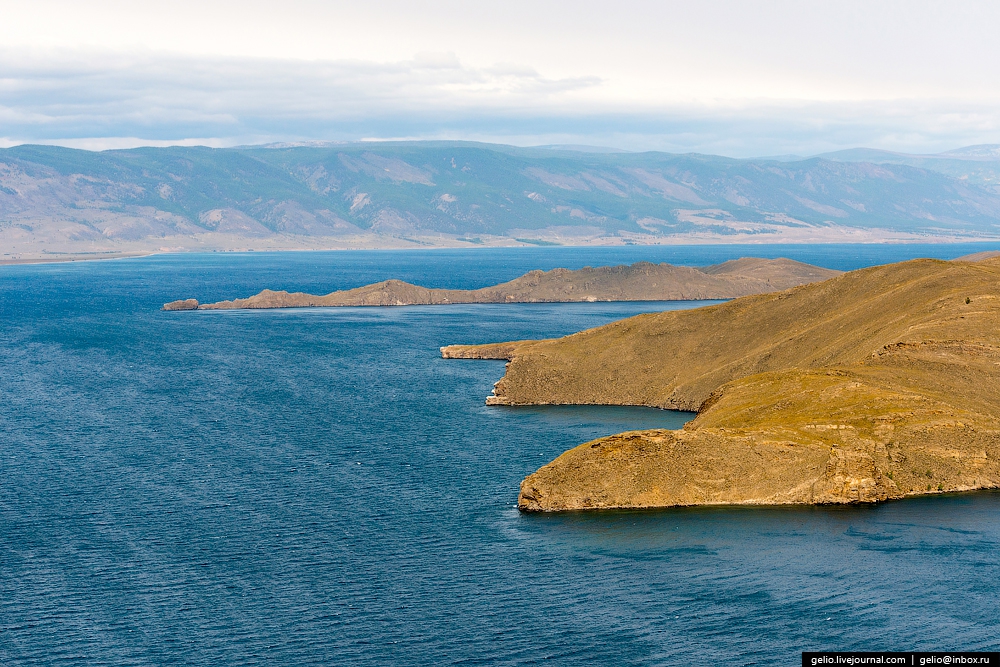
(878, 384)
(642, 281)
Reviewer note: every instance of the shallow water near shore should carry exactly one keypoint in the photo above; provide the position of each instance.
(318, 486)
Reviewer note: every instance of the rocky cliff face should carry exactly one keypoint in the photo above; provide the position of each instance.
(878, 384)
(183, 304)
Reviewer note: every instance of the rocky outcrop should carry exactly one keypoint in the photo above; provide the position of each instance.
(185, 304)
(489, 351)
(642, 281)
(879, 384)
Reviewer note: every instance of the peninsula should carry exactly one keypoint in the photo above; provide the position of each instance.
(878, 384)
(642, 281)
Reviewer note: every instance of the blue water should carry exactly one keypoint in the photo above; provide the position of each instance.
(318, 487)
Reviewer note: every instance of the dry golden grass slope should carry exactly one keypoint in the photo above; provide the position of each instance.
(877, 384)
(642, 281)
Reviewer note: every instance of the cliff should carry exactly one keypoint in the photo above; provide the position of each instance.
(878, 384)
(642, 281)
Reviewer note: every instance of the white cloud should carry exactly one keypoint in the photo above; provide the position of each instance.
(715, 76)
(649, 50)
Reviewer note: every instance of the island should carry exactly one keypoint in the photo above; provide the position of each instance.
(878, 384)
(642, 281)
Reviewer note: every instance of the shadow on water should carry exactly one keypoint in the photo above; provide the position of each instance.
(943, 524)
(609, 418)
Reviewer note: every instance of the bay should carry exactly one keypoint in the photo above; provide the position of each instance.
(320, 487)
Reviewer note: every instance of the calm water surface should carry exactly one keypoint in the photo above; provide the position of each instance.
(318, 487)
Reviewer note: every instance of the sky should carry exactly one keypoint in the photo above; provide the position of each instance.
(715, 76)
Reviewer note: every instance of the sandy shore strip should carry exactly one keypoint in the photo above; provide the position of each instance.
(75, 257)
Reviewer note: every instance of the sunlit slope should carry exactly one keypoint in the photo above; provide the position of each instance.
(676, 359)
(873, 385)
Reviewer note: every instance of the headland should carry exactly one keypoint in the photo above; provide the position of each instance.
(877, 384)
(642, 281)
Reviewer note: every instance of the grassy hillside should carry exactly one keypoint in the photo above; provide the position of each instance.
(876, 384)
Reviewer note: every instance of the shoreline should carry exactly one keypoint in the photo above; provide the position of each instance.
(76, 257)
(58, 258)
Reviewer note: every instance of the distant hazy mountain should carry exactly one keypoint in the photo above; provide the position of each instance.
(980, 152)
(979, 165)
(580, 148)
(454, 193)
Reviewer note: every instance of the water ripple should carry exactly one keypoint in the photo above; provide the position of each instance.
(319, 487)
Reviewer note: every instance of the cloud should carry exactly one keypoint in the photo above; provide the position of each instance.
(109, 100)
(155, 95)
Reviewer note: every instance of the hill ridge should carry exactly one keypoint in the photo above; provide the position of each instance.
(642, 281)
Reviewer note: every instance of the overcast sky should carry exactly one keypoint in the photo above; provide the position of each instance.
(734, 78)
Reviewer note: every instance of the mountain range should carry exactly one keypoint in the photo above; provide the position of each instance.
(384, 194)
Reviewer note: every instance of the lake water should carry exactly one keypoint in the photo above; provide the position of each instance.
(319, 487)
